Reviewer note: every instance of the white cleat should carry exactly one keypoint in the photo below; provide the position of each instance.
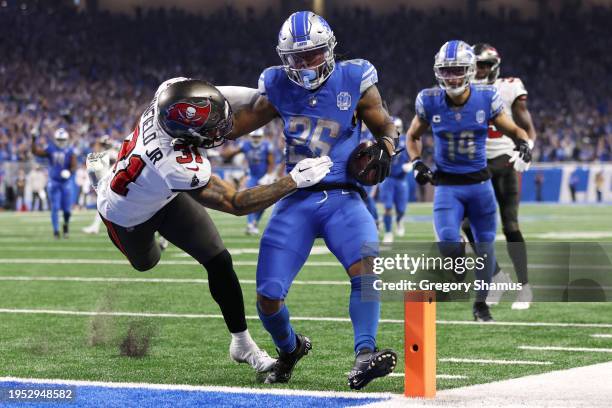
(91, 230)
(523, 299)
(494, 296)
(252, 230)
(388, 238)
(252, 355)
(401, 231)
(163, 243)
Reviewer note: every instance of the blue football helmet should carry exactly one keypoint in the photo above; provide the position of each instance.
(60, 137)
(306, 45)
(455, 67)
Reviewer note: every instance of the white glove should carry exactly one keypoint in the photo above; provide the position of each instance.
(519, 164)
(309, 172)
(269, 178)
(65, 174)
(407, 167)
(98, 166)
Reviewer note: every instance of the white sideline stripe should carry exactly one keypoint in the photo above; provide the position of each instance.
(554, 348)
(501, 362)
(602, 336)
(26, 261)
(146, 280)
(205, 388)
(302, 318)
(438, 376)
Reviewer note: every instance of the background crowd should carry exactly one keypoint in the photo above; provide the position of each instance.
(94, 72)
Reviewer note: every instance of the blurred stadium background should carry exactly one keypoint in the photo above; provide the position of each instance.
(91, 66)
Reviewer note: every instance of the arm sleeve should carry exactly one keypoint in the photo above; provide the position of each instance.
(419, 107)
(369, 76)
(497, 105)
(238, 96)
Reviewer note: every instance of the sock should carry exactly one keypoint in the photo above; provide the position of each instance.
(225, 290)
(485, 249)
(66, 217)
(518, 254)
(399, 218)
(55, 220)
(364, 309)
(280, 328)
(97, 221)
(387, 220)
(243, 337)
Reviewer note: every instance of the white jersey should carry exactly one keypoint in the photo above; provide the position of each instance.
(149, 173)
(497, 143)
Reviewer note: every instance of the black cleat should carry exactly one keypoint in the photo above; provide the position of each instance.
(65, 231)
(370, 365)
(282, 369)
(481, 312)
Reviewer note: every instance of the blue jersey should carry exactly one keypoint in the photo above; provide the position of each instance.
(59, 159)
(320, 122)
(460, 133)
(257, 157)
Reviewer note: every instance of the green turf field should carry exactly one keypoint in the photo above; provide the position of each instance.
(189, 342)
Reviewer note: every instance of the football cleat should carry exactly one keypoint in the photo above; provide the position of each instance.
(370, 365)
(163, 243)
(282, 369)
(92, 229)
(252, 355)
(56, 234)
(251, 229)
(388, 238)
(481, 312)
(65, 231)
(494, 296)
(401, 230)
(523, 299)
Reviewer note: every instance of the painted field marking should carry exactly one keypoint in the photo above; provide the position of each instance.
(602, 336)
(577, 349)
(486, 361)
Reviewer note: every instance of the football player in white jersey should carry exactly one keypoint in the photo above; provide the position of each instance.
(501, 160)
(162, 181)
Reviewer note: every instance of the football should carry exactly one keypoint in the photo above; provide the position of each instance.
(358, 161)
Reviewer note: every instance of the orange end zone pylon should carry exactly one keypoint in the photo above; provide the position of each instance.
(420, 344)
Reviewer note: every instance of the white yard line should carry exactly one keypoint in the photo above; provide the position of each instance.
(500, 362)
(575, 349)
(602, 336)
(302, 318)
(52, 261)
(147, 280)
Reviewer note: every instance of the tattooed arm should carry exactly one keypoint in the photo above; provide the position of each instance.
(220, 195)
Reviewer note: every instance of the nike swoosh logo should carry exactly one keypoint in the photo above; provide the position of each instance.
(345, 192)
(192, 168)
(303, 170)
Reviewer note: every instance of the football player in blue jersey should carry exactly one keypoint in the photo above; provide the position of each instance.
(259, 154)
(321, 103)
(394, 190)
(459, 113)
(62, 165)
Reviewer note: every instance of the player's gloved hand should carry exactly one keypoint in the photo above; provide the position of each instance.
(65, 174)
(521, 157)
(269, 178)
(98, 165)
(309, 172)
(380, 161)
(422, 173)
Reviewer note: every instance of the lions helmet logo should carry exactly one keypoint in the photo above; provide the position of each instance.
(188, 114)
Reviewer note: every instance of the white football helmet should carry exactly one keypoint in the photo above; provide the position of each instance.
(60, 137)
(455, 67)
(487, 54)
(306, 45)
(256, 137)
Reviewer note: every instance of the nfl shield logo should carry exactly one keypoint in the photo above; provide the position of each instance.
(480, 116)
(343, 100)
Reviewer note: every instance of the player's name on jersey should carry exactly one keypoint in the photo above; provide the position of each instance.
(149, 133)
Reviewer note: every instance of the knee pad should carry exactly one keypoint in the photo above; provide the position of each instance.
(144, 265)
(273, 289)
(220, 262)
(447, 234)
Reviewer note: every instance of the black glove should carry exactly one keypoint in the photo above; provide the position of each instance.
(524, 151)
(422, 173)
(380, 160)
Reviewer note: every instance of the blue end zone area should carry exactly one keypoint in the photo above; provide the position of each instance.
(133, 396)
